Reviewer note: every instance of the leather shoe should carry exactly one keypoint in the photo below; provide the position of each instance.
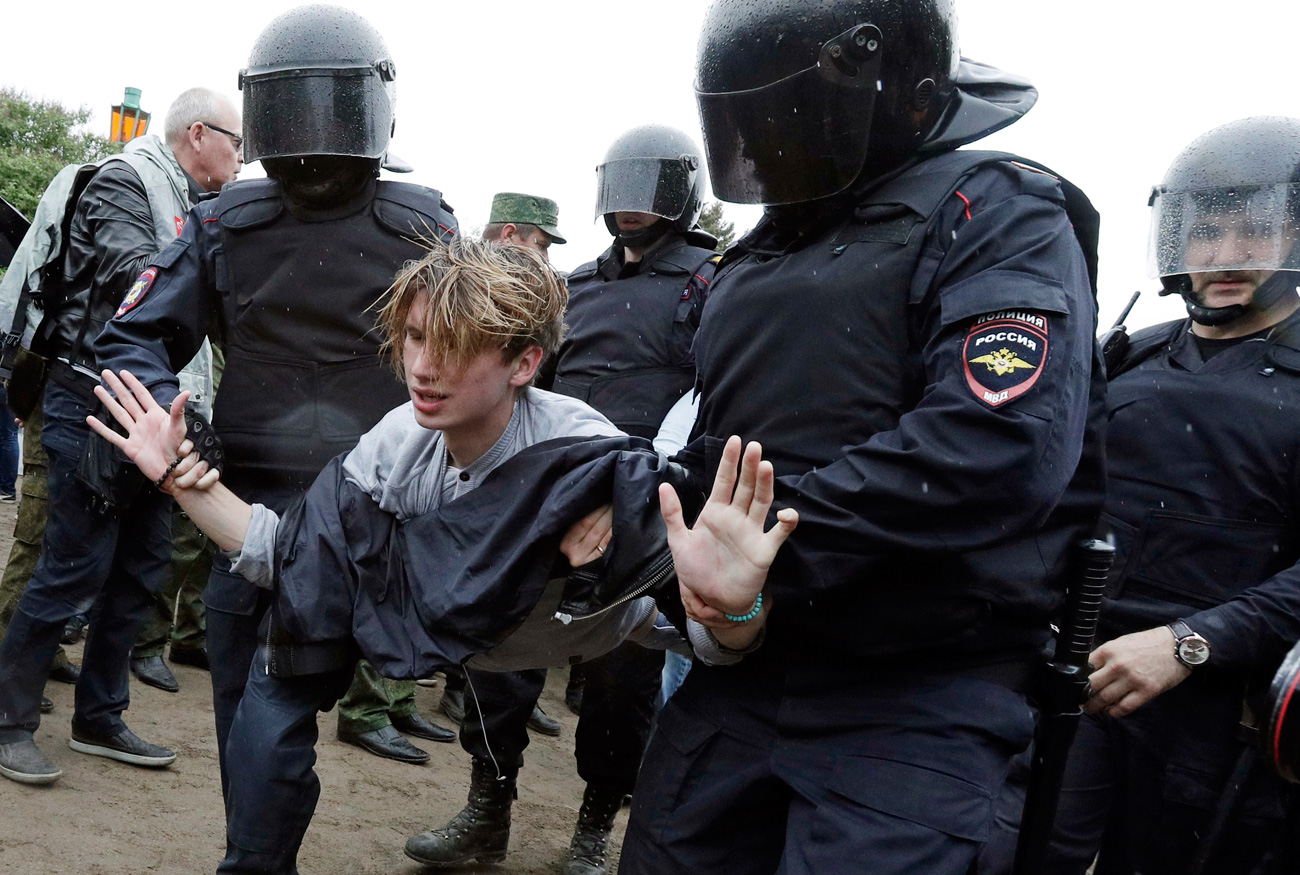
(539, 722)
(387, 743)
(64, 672)
(46, 705)
(414, 724)
(125, 747)
(453, 705)
(153, 671)
(196, 657)
(73, 630)
(22, 761)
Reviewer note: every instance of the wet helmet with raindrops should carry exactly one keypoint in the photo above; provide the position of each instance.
(652, 169)
(319, 82)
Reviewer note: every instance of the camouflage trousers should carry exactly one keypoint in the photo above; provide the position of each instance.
(372, 701)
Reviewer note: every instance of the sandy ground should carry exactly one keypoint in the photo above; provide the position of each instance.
(106, 818)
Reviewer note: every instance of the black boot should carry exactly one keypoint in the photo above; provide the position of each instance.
(595, 820)
(480, 832)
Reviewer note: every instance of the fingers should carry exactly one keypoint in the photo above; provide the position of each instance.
(787, 519)
(586, 540)
(194, 470)
(208, 480)
(764, 491)
(123, 393)
(743, 497)
(670, 508)
(125, 419)
(724, 482)
(139, 393)
(104, 431)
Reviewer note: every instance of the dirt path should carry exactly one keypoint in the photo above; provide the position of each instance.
(105, 818)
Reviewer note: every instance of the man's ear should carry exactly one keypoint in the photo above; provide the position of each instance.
(195, 135)
(509, 232)
(526, 366)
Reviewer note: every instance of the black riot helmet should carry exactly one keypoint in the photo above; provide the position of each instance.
(800, 101)
(651, 169)
(319, 81)
(1230, 202)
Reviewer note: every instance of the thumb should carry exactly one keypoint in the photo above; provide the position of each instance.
(670, 508)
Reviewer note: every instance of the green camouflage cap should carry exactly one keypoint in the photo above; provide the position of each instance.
(515, 208)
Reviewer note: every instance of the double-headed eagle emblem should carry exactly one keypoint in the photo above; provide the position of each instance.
(1004, 361)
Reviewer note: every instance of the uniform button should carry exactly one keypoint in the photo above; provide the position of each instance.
(464, 476)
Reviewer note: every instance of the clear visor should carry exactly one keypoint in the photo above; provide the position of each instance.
(800, 138)
(1225, 229)
(317, 112)
(659, 186)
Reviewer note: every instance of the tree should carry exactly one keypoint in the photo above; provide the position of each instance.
(712, 220)
(38, 138)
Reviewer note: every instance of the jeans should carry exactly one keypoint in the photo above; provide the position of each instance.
(8, 446)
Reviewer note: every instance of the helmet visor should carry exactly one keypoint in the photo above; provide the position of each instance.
(1218, 229)
(321, 111)
(799, 138)
(660, 186)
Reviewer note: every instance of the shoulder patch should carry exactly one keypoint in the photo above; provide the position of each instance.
(1003, 354)
(138, 290)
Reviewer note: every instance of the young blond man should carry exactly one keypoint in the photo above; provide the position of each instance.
(467, 327)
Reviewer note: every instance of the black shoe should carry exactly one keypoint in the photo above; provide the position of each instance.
(414, 724)
(22, 761)
(387, 743)
(453, 705)
(480, 832)
(46, 705)
(125, 747)
(196, 657)
(539, 722)
(591, 837)
(64, 672)
(73, 630)
(153, 671)
(573, 695)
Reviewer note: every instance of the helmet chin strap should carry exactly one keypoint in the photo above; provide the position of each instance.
(1268, 294)
(641, 238)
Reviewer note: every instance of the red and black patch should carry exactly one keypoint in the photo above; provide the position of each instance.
(1004, 354)
(137, 293)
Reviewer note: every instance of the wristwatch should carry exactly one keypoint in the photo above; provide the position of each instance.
(1189, 648)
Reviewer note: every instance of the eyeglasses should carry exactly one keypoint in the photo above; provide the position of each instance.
(234, 138)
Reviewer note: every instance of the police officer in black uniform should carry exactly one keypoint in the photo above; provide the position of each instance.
(909, 334)
(632, 315)
(288, 268)
(1204, 599)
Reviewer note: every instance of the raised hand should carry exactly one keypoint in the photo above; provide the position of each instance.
(722, 561)
(153, 436)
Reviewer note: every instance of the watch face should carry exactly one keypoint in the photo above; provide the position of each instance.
(1193, 651)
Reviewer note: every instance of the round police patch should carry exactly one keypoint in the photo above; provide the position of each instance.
(137, 292)
(1004, 353)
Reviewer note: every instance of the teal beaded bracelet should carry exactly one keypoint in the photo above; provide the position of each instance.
(753, 612)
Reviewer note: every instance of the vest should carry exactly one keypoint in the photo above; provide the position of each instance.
(304, 378)
(627, 350)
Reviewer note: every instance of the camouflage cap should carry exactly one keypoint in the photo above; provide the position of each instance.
(509, 206)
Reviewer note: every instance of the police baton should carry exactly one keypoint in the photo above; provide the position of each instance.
(1061, 691)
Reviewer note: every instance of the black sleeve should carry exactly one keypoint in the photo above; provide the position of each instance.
(114, 225)
(966, 468)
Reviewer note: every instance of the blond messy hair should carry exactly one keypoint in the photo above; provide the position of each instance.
(482, 296)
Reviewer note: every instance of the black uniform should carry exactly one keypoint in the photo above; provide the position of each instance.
(291, 293)
(1203, 499)
(918, 366)
(627, 353)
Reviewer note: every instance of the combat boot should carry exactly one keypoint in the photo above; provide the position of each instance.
(595, 820)
(480, 832)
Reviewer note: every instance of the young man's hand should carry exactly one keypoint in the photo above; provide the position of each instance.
(722, 561)
(1132, 670)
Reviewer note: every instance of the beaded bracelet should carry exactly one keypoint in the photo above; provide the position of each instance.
(170, 468)
(753, 612)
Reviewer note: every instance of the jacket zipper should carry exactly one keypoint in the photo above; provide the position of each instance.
(656, 577)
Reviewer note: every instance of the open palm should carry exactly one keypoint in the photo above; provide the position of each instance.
(153, 435)
(722, 561)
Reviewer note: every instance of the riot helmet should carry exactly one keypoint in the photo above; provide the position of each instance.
(319, 81)
(651, 169)
(800, 101)
(1230, 202)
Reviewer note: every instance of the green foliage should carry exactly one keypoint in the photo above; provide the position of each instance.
(712, 220)
(37, 139)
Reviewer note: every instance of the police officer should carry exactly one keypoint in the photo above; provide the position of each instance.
(908, 332)
(132, 206)
(1204, 599)
(288, 267)
(632, 315)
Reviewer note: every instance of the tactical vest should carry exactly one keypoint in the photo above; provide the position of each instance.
(627, 351)
(304, 379)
